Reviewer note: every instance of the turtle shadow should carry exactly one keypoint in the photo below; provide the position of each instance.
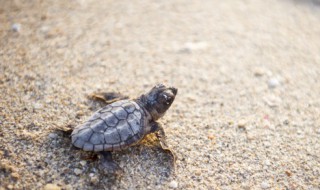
(138, 162)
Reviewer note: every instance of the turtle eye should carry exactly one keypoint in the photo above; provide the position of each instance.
(166, 99)
(169, 100)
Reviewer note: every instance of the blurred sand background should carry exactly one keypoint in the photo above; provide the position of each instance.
(247, 115)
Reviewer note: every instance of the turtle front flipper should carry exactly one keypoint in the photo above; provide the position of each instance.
(159, 131)
(107, 165)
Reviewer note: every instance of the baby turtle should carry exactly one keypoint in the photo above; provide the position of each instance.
(124, 123)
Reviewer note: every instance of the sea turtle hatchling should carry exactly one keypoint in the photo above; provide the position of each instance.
(124, 123)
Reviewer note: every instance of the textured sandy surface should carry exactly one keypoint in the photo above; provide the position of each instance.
(247, 115)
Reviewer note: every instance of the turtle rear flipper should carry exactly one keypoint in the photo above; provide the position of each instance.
(100, 99)
(107, 165)
(107, 97)
(66, 130)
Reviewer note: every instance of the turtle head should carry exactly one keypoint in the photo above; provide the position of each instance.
(159, 99)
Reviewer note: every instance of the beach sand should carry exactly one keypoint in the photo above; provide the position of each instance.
(247, 114)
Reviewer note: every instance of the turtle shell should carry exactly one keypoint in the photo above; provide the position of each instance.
(114, 127)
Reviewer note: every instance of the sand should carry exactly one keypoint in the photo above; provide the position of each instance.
(247, 115)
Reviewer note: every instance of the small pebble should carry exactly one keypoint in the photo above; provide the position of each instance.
(53, 136)
(50, 186)
(77, 171)
(286, 122)
(83, 162)
(288, 173)
(15, 175)
(16, 27)
(211, 137)
(94, 179)
(173, 184)
(267, 162)
(198, 172)
(37, 106)
(193, 46)
(273, 83)
(258, 72)
(265, 185)
(242, 123)
(267, 144)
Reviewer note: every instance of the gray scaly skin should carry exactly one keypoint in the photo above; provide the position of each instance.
(124, 123)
